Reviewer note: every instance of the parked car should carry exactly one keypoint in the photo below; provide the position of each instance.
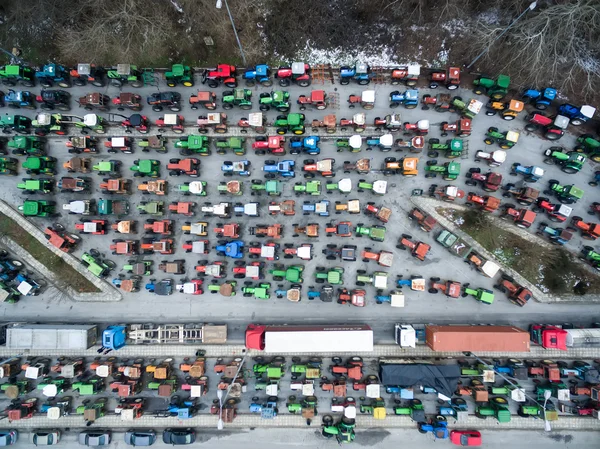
(95, 437)
(46, 437)
(179, 437)
(465, 437)
(8, 437)
(140, 437)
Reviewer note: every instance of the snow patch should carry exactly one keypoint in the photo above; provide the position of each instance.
(455, 27)
(177, 6)
(382, 57)
(489, 17)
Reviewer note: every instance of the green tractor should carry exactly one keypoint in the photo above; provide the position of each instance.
(11, 75)
(590, 146)
(91, 411)
(91, 122)
(274, 370)
(260, 291)
(193, 188)
(278, 99)
(505, 140)
(376, 233)
(333, 276)
(193, 145)
(237, 97)
(27, 145)
(146, 167)
(180, 74)
(537, 411)
(293, 123)
(497, 407)
(46, 123)
(453, 147)
(156, 208)
(228, 288)
(100, 269)
(15, 388)
(236, 144)
(16, 123)
(125, 74)
(565, 194)
(36, 185)
(57, 385)
(307, 188)
(592, 257)
(377, 187)
(495, 89)
(110, 168)
(414, 409)
(481, 294)
(449, 171)
(378, 279)
(308, 404)
(40, 165)
(38, 208)
(468, 110)
(272, 187)
(570, 161)
(8, 166)
(343, 431)
(292, 273)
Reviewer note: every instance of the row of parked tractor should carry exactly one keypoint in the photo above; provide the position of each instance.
(491, 386)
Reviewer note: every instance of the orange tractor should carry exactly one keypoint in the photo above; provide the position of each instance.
(272, 231)
(516, 293)
(162, 227)
(485, 203)
(229, 230)
(426, 222)
(317, 98)
(523, 218)
(451, 289)
(589, 231)
(417, 249)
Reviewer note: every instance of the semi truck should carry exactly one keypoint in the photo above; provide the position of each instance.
(459, 338)
(310, 339)
(564, 337)
(49, 336)
(117, 336)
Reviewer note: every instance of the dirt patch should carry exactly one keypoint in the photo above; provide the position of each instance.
(64, 272)
(552, 270)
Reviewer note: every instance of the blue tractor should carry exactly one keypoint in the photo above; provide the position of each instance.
(284, 168)
(240, 168)
(360, 73)
(19, 99)
(515, 368)
(596, 180)
(260, 74)
(325, 295)
(233, 249)
(531, 173)
(577, 116)
(308, 145)
(540, 99)
(26, 285)
(437, 426)
(321, 208)
(409, 98)
(181, 409)
(456, 408)
(557, 236)
(267, 410)
(52, 74)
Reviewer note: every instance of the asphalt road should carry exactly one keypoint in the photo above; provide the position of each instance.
(238, 311)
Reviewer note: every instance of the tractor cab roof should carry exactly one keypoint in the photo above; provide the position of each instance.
(587, 111)
(574, 192)
(355, 141)
(361, 68)
(171, 119)
(84, 69)
(561, 121)
(359, 119)
(563, 210)
(255, 119)
(516, 105)
(44, 119)
(456, 145)
(380, 187)
(317, 96)
(474, 106)
(368, 96)
(387, 140)
(499, 156)
(123, 69)
(278, 96)
(298, 68)
(549, 93)
(537, 171)
(503, 81)
(412, 94)
(393, 120)
(345, 185)
(90, 120)
(512, 136)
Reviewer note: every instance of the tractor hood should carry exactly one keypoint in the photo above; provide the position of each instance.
(443, 378)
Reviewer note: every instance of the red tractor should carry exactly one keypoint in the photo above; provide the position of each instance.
(223, 73)
(556, 212)
(485, 203)
(355, 297)
(451, 289)
(352, 369)
(298, 73)
(229, 230)
(196, 246)
(189, 166)
(253, 270)
(162, 227)
(589, 231)
(440, 102)
(287, 207)
(449, 78)
(60, 239)
(341, 229)
(127, 100)
(382, 213)
(215, 269)
(426, 222)
(303, 251)
(420, 128)
(205, 99)
(124, 247)
(137, 122)
(268, 251)
(552, 128)
(523, 218)
(383, 258)
(271, 231)
(162, 246)
(182, 208)
(517, 294)
(317, 98)
(173, 122)
(417, 249)
(462, 128)
(490, 182)
(271, 144)
(94, 227)
(324, 167)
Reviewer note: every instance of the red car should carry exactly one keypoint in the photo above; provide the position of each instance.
(465, 437)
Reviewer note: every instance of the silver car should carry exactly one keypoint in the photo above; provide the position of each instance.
(8, 437)
(45, 437)
(140, 437)
(95, 437)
